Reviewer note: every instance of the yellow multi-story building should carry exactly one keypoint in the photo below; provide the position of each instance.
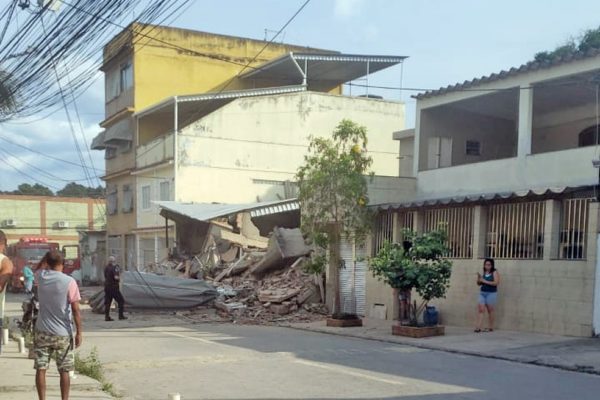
(167, 87)
(59, 219)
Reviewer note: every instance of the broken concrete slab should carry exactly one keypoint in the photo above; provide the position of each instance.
(285, 247)
(277, 295)
(229, 307)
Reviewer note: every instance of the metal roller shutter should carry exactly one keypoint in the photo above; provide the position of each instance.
(353, 276)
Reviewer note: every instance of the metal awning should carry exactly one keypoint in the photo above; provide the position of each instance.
(98, 142)
(479, 198)
(122, 131)
(194, 107)
(329, 70)
(210, 211)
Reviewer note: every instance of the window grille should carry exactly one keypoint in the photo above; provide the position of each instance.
(145, 197)
(573, 229)
(458, 223)
(516, 230)
(384, 227)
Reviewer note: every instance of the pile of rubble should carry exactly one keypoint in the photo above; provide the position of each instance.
(257, 285)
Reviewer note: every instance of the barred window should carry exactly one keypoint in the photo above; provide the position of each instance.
(573, 229)
(516, 230)
(384, 227)
(458, 223)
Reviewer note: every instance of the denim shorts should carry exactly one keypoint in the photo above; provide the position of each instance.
(487, 298)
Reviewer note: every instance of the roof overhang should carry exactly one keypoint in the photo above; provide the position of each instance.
(206, 212)
(481, 198)
(404, 134)
(203, 104)
(324, 69)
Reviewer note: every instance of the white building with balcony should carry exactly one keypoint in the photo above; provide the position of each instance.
(505, 162)
(245, 146)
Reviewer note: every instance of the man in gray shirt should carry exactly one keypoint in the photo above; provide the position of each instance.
(59, 298)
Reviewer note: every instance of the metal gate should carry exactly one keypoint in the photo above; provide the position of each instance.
(353, 276)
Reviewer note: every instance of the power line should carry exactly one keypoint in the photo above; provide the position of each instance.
(47, 174)
(44, 154)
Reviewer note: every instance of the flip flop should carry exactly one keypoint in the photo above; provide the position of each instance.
(477, 331)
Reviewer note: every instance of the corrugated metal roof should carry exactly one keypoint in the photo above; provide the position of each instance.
(210, 211)
(527, 67)
(475, 198)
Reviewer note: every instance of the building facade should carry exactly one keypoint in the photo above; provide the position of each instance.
(506, 163)
(59, 219)
(195, 125)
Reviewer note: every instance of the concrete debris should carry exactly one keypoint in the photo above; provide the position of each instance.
(285, 247)
(254, 285)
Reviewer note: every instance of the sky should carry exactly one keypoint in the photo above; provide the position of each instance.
(446, 42)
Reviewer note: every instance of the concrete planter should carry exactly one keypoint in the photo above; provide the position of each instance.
(417, 331)
(344, 323)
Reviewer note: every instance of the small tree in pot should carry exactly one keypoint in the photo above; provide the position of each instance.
(419, 263)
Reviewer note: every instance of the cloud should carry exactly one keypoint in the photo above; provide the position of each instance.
(52, 135)
(347, 8)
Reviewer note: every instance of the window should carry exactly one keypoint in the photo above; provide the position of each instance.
(473, 148)
(589, 136)
(146, 197)
(165, 191)
(125, 77)
(112, 201)
(516, 230)
(573, 229)
(127, 199)
(110, 152)
(458, 223)
(384, 227)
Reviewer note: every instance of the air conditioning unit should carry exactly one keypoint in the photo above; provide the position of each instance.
(62, 224)
(9, 223)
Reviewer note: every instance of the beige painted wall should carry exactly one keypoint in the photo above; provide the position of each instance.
(547, 296)
(222, 155)
(151, 217)
(121, 223)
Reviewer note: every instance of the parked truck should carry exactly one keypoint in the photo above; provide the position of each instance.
(30, 250)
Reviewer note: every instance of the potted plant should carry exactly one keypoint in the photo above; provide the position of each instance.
(333, 199)
(417, 264)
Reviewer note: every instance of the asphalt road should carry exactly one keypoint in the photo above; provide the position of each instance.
(152, 355)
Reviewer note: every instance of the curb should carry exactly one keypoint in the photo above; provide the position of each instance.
(531, 361)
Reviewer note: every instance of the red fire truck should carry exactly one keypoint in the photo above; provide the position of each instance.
(30, 250)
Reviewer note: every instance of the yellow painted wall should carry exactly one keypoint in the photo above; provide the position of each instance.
(75, 214)
(121, 223)
(161, 70)
(26, 213)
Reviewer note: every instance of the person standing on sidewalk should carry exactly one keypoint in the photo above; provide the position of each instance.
(488, 282)
(59, 299)
(6, 270)
(112, 278)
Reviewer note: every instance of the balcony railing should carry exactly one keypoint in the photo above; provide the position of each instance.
(155, 152)
(571, 167)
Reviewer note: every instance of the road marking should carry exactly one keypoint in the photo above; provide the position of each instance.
(351, 372)
(190, 337)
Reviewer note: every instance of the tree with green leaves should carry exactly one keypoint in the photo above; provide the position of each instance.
(418, 263)
(33, 190)
(589, 40)
(7, 94)
(333, 196)
(76, 190)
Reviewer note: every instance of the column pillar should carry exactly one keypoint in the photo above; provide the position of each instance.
(480, 230)
(525, 121)
(552, 229)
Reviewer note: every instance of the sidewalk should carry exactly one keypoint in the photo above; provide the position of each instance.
(18, 379)
(569, 353)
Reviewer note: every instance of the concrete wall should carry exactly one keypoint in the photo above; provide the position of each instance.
(228, 155)
(547, 296)
(556, 169)
(498, 137)
(560, 130)
(146, 218)
(387, 189)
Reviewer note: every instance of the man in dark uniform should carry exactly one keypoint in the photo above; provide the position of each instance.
(112, 278)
